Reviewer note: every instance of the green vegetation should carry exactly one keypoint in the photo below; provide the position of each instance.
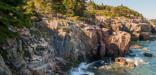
(11, 18)
(112, 11)
(54, 7)
(74, 7)
(44, 7)
(19, 13)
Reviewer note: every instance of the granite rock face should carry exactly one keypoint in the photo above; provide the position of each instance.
(137, 27)
(51, 47)
(118, 43)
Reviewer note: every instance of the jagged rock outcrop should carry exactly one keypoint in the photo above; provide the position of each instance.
(137, 27)
(48, 47)
(32, 54)
(118, 43)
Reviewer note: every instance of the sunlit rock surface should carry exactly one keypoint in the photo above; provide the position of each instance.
(51, 47)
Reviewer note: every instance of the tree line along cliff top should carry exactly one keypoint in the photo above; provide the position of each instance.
(77, 8)
(20, 13)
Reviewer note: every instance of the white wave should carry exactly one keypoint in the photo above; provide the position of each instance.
(137, 61)
(81, 70)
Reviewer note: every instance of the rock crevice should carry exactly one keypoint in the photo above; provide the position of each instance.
(50, 47)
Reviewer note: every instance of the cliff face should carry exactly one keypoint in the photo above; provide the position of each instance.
(140, 29)
(50, 47)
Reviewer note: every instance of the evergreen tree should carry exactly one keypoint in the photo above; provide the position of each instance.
(70, 7)
(74, 7)
(79, 7)
(11, 17)
(45, 7)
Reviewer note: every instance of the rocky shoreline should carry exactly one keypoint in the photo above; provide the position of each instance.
(51, 47)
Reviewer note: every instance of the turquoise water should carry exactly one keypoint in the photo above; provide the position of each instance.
(148, 68)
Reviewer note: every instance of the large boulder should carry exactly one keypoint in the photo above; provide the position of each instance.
(118, 43)
(146, 36)
(147, 54)
(146, 27)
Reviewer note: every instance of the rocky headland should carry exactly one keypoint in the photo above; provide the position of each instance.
(52, 47)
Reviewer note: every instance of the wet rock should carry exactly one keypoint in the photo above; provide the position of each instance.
(145, 49)
(146, 27)
(122, 62)
(131, 54)
(146, 36)
(148, 54)
(135, 46)
(131, 65)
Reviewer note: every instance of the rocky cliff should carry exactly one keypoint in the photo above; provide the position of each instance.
(51, 47)
(140, 29)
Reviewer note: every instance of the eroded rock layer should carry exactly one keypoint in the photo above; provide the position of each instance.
(50, 47)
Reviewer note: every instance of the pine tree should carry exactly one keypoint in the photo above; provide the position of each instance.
(11, 17)
(74, 7)
(69, 5)
(79, 7)
(45, 7)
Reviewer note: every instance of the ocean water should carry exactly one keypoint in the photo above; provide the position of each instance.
(145, 65)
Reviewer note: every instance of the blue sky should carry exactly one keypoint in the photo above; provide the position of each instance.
(145, 7)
